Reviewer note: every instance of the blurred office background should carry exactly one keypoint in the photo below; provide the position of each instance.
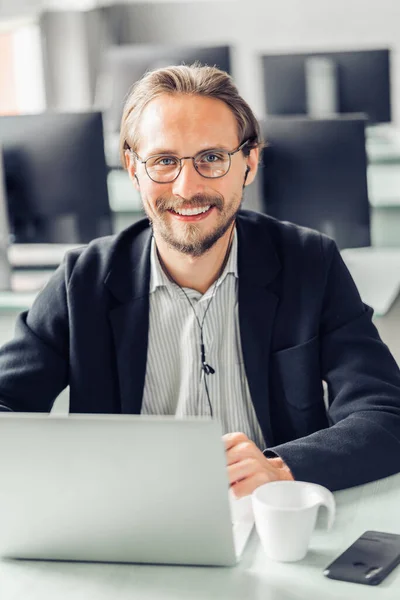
(66, 65)
(76, 31)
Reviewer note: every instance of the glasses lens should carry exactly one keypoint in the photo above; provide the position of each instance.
(163, 168)
(214, 163)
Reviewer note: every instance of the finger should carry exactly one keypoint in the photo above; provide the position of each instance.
(242, 469)
(245, 487)
(232, 439)
(242, 451)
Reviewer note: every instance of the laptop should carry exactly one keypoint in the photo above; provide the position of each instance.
(118, 488)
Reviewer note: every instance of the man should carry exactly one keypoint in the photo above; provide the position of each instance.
(202, 309)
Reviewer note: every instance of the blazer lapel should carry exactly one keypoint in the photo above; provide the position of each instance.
(128, 280)
(258, 265)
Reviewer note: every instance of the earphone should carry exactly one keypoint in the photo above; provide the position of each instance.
(246, 174)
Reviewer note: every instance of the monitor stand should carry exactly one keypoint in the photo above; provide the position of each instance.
(321, 87)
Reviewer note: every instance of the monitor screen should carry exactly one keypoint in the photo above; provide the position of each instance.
(56, 177)
(124, 65)
(362, 81)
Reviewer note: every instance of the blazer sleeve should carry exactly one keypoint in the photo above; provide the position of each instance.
(363, 442)
(34, 364)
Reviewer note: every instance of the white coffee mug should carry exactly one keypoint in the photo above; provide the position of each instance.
(285, 514)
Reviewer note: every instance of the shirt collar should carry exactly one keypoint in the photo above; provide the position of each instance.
(158, 277)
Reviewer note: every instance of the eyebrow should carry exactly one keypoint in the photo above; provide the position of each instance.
(174, 153)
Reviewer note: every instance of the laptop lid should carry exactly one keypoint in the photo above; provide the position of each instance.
(114, 488)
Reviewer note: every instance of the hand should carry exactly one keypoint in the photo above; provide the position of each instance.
(248, 468)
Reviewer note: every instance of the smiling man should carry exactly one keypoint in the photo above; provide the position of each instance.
(191, 200)
(205, 309)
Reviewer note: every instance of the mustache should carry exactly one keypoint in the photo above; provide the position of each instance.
(165, 203)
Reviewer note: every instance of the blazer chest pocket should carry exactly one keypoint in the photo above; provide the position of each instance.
(297, 373)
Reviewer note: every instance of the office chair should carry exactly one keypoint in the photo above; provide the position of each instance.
(314, 173)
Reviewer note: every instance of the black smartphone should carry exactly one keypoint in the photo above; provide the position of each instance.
(368, 560)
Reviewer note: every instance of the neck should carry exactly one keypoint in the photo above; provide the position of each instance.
(197, 273)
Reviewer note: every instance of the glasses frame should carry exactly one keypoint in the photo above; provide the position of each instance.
(193, 158)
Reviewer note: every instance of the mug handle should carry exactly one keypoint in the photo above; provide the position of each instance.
(326, 498)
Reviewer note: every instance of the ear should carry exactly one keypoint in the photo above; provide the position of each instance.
(251, 166)
(131, 165)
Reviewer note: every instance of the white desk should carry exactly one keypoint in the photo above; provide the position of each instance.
(25, 287)
(374, 506)
(384, 185)
(38, 255)
(383, 144)
(376, 272)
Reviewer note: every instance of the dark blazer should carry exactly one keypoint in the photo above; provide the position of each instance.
(301, 322)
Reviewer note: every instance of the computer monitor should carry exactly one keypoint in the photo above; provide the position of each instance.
(5, 270)
(56, 177)
(124, 65)
(314, 173)
(362, 81)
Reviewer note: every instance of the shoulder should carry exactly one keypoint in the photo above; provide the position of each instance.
(286, 238)
(100, 255)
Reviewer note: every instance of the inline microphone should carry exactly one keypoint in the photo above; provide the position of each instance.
(208, 370)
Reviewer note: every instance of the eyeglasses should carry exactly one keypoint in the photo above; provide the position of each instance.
(165, 168)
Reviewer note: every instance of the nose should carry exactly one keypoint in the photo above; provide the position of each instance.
(189, 181)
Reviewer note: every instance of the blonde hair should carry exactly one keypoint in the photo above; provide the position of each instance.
(191, 80)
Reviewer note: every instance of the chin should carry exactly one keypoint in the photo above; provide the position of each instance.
(194, 245)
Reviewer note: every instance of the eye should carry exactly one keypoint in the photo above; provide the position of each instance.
(164, 161)
(212, 157)
(167, 161)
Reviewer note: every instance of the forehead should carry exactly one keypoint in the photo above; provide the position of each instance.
(186, 124)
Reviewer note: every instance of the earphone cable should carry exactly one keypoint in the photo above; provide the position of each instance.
(206, 368)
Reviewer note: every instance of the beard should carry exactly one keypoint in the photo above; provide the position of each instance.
(190, 240)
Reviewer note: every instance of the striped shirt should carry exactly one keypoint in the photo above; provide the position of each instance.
(174, 382)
